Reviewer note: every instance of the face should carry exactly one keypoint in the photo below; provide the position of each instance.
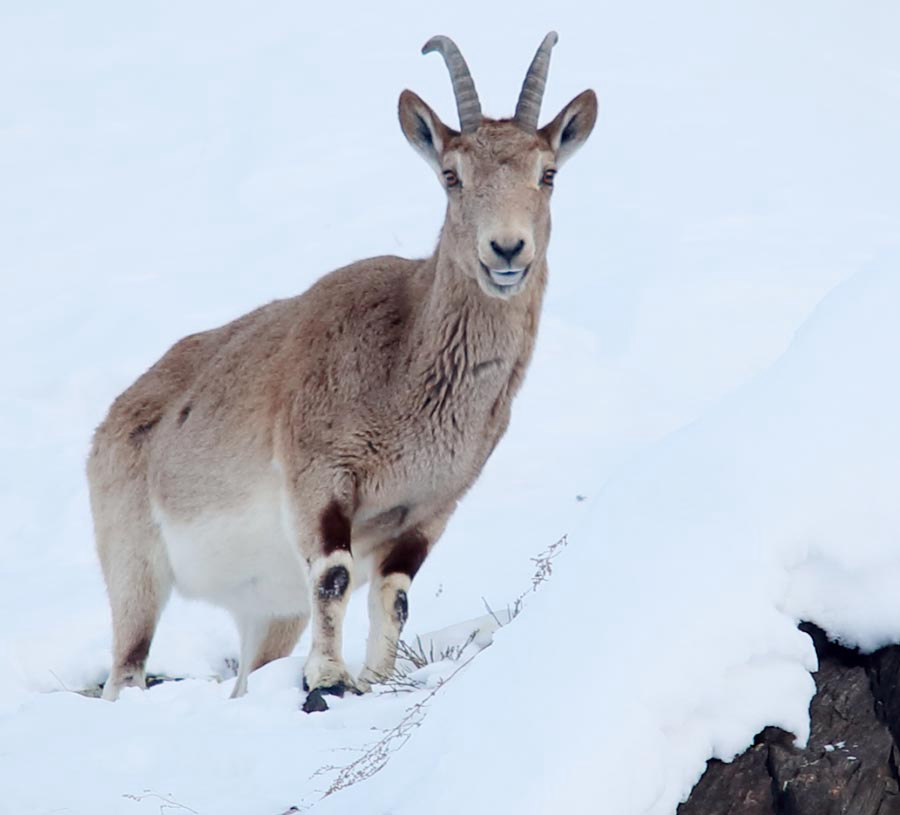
(498, 180)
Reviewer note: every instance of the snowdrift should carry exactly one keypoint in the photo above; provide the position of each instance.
(668, 633)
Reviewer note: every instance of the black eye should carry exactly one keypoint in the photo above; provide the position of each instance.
(547, 178)
(451, 178)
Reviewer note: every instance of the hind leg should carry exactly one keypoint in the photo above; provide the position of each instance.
(263, 640)
(139, 582)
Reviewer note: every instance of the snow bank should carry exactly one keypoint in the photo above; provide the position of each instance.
(668, 633)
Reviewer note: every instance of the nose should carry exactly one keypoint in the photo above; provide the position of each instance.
(509, 251)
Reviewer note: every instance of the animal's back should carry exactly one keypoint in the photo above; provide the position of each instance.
(347, 318)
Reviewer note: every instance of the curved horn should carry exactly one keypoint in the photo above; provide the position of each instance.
(528, 108)
(463, 87)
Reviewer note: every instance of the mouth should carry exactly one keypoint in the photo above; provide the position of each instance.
(505, 281)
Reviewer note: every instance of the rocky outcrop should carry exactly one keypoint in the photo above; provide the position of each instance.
(849, 766)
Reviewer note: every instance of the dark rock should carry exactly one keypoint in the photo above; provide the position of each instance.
(848, 767)
(742, 787)
(884, 671)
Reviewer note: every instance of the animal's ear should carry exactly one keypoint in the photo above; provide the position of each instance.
(570, 129)
(423, 129)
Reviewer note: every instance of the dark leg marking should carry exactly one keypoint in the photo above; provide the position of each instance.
(401, 607)
(137, 656)
(182, 416)
(407, 554)
(334, 583)
(335, 529)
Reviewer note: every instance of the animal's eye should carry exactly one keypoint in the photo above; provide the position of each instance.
(547, 177)
(451, 178)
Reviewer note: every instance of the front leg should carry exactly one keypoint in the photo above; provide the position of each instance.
(330, 570)
(396, 563)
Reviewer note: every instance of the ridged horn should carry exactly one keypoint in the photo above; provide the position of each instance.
(463, 87)
(528, 108)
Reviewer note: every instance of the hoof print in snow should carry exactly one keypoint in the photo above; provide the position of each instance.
(850, 762)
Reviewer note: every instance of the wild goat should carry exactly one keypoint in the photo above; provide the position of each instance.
(270, 465)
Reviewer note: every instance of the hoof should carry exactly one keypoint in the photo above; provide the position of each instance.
(315, 699)
(315, 702)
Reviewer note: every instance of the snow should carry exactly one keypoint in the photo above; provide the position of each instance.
(793, 477)
(703, 555)
(715, 373)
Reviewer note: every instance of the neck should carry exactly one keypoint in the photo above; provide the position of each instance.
(460, 326)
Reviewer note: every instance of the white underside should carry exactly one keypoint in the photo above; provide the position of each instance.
(244, 558)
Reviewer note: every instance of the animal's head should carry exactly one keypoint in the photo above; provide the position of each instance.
(498, 174)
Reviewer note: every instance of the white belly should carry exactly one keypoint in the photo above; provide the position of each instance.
(241, 558)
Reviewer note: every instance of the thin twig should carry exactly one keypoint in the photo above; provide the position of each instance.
(491, 612)
(377, 755)
(168, 803)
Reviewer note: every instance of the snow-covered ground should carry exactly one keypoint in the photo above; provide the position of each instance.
(716, 376)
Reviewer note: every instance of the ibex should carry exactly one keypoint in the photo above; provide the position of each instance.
(272, 464)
